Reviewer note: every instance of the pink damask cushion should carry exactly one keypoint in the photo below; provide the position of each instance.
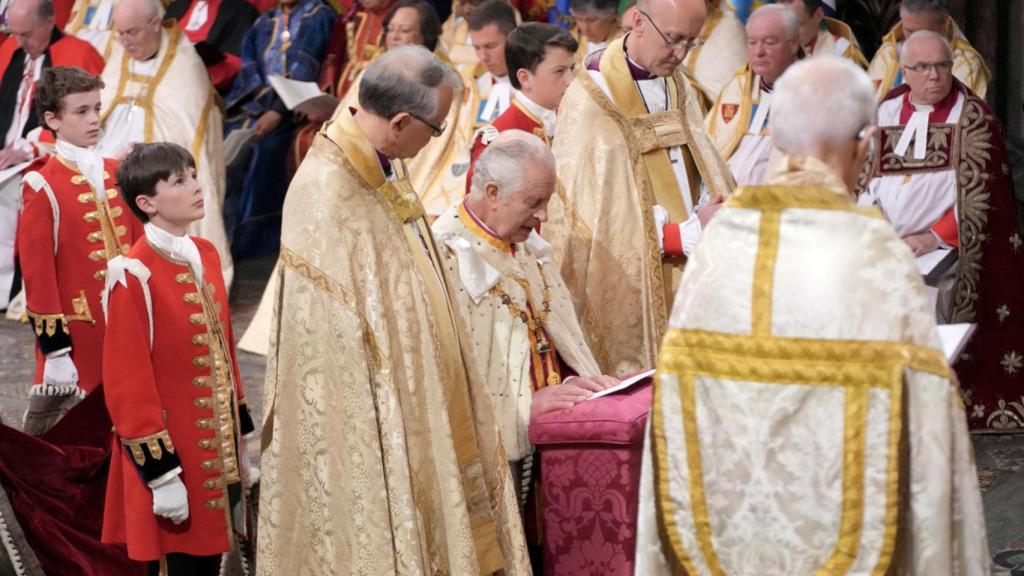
(614, 419)
(590, 479)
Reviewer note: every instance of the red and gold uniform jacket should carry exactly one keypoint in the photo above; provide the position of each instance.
(515, 117)
(173, 391)
(66, 234)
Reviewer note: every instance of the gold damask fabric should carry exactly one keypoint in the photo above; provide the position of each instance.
(610, 162)
(498, 339)
(378, 457)
(804, 419)
(968, 65)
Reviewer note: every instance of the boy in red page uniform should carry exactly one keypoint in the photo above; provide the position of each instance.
(541, 60)
(174, 494)
(73, 222)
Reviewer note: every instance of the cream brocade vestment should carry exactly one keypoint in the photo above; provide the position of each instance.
(613, 161)
(178, 104)
(804, 418)
(378, 457)
(481, 271)
(725, 49)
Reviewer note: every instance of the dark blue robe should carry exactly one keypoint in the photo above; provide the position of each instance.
(257, 186)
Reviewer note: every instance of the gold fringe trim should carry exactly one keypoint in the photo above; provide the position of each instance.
(152, 442)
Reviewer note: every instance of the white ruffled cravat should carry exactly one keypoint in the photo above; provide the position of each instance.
(546, 117)
(88, 161)
(179, 247)
(916, 130)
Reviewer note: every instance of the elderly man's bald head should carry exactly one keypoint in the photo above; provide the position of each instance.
(663, 31)
(512, 182)
(31, 23)
(138, 26)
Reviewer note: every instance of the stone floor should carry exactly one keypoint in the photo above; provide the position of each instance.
(1000, 459)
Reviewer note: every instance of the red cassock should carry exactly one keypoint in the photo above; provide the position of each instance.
(515, 117)
(65, 50)
(174, 395)
(66, 233)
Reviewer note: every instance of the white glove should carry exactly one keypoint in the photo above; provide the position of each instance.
(660, 219)
(60, 371)
(170, 499)
(251, 445)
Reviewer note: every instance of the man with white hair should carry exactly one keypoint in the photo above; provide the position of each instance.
(504, 288)
(640, 179)
(156, 89)
(738, 122)
(942, 179)
(968, 65)
(804, 417)
(379, 457)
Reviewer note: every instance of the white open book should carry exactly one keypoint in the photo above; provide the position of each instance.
(624, 384)
(301, 96)
(954, 338)
(935, 263)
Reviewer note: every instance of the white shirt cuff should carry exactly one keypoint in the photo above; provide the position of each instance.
(164, 479)
(690, 233)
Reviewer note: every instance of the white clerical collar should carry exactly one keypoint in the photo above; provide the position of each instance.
(88, 161)
(916, 131)
(595, 46)
(547, 117)
(200, 12)
(179, 247)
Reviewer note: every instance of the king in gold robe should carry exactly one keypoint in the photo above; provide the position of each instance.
(968, 65)
(169, 98)
(805, 420)
(512, 300)
(617, 160)
(378, 457)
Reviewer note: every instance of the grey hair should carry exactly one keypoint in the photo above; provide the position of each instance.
(938, 7)
(44, 10)
(923, 35)
(820, 102)
(154, 8)
(506, 160)
(602, 8)
(789, 20)
(405, 79)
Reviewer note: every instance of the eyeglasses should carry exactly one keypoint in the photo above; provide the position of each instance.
(925, 67)
(685, 45)
(436, 130)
